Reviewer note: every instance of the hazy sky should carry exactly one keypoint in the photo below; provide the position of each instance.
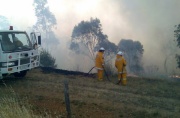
(149, 21)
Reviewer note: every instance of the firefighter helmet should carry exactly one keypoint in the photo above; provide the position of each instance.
(102, 49)
(120, 53)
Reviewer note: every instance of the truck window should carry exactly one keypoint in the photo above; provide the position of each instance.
(16, 41)
(6, 43)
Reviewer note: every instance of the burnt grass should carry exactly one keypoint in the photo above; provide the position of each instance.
(43, 89)
(65, 72)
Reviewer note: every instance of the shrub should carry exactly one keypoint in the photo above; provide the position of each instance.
(46, 59)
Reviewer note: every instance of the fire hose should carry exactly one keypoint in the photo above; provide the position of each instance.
(104, 72)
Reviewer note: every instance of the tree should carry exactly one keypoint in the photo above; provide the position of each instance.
(4, 23)
(133, 53)
(47, 59)
(87, 37)
(177, 36)
(45, 21)
(170, 50)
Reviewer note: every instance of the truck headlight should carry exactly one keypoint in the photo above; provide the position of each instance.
(8, 64)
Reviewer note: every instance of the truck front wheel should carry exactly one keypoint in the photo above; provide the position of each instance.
(21, 74)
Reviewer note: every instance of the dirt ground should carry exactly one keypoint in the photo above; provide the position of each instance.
(89, 98)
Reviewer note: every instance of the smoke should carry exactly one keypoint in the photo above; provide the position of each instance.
(149, 21)
(20, 13)
(153, 23)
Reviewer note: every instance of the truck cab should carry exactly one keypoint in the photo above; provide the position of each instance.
(18, 52)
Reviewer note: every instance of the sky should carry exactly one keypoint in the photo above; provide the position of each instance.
(149, 21)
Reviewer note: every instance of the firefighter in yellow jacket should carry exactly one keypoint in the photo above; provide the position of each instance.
(120, 64)
(99, 63)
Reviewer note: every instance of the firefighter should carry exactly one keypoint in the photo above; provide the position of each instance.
(17, 42)
(99, 63)
(120, 64)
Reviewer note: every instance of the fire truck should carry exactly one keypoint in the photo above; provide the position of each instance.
(18, 52)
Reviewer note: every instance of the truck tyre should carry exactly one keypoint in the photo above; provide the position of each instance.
(21, 74)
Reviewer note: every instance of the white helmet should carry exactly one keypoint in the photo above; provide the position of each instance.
(120, 53)
(102, 49)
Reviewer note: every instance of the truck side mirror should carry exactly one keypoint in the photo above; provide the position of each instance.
(39, 40)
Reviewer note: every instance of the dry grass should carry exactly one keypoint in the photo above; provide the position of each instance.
(12, 106)
(142, 97)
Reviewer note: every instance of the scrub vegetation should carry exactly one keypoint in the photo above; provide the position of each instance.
(47, 59)
(42, 95)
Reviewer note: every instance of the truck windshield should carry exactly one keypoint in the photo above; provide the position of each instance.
(15, 41)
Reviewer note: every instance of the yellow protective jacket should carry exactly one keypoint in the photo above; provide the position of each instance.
(99, 62)
(120, 64)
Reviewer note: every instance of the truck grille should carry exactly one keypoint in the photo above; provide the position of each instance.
(24, 61)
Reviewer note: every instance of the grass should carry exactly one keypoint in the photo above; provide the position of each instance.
(152, 97)
(12, 106)
(141, 98)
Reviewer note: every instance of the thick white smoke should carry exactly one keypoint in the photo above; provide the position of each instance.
(150, 22)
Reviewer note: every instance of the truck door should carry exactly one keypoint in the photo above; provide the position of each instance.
(33, 40)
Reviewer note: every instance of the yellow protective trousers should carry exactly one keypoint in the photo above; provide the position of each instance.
(100, 74)
(122, 77)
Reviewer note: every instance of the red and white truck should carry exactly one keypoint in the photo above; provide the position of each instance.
(18, 52)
